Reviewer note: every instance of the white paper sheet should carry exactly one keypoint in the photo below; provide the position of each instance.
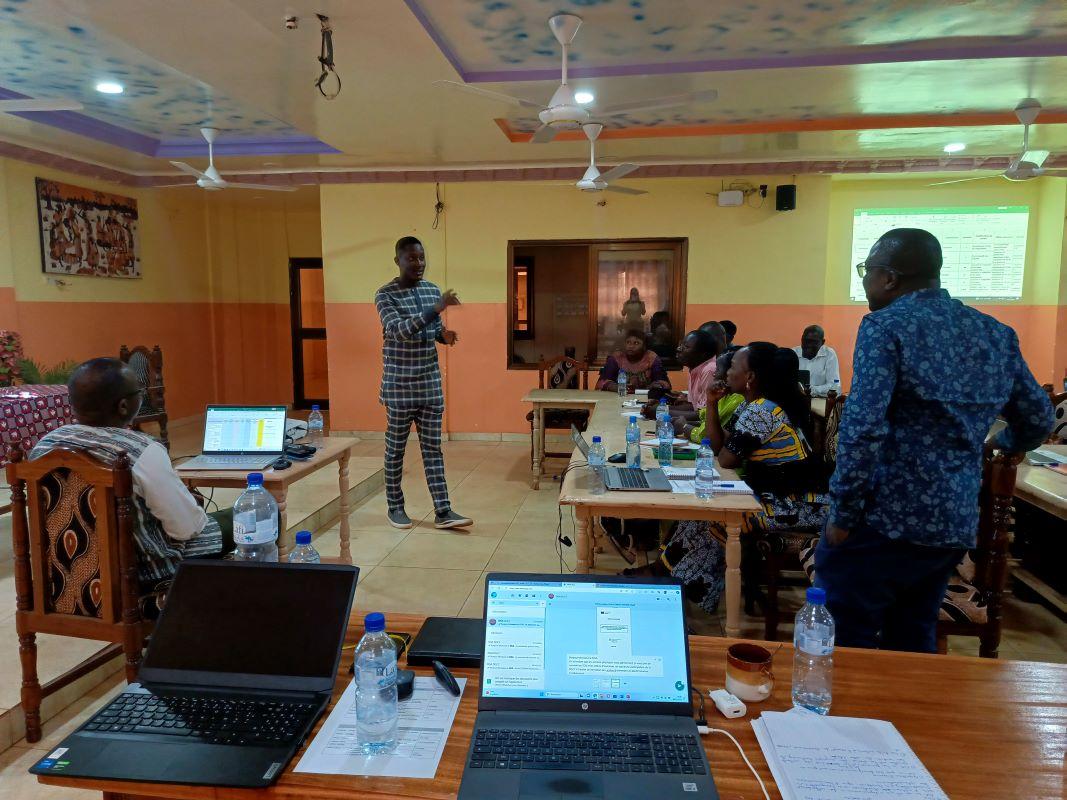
(683, 486)
(813, 758)
(423, 725)
(655, 442)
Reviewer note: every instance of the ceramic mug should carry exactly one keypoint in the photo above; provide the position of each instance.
(748, 672)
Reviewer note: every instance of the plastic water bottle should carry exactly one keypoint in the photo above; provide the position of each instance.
(376, 700)
(255, 522)
(665, 433)
(621, 383)
(705, 477)
(304, 553)
(597, 459)
(633, 445)
(315, 427)
(813, 654)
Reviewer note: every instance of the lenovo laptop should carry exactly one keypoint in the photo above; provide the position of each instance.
(585, 692)
(241, 438)
(234, 679)
(626, 479)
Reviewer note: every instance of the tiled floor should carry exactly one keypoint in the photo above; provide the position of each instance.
(437, 572)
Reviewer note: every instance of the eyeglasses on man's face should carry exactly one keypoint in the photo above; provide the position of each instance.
(863, 268)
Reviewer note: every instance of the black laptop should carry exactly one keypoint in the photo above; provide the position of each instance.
(241, 664)
(585, 693)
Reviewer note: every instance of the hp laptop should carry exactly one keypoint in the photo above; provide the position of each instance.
(241, 437)
(626, 479)
(585, 693)
(233, 680)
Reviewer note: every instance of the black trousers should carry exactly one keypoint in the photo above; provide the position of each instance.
(884, 592)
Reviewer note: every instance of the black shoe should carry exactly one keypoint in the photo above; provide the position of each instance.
(450, 519)
(400, 519)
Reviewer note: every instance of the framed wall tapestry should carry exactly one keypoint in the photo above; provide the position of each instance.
(84, 232)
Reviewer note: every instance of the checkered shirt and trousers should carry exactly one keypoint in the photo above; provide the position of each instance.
(411, 386)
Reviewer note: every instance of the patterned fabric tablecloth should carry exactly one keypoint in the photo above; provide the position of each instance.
(29, 412)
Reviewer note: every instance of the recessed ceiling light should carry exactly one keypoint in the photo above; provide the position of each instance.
(955, 147)
(583, 97)
(109, 87)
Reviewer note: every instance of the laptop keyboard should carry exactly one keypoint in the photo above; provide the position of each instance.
(225, 460)
(213, 720)
(587, 751)
(632, 478)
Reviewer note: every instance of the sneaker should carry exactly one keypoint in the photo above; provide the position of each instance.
(399, 519)
(450, 519)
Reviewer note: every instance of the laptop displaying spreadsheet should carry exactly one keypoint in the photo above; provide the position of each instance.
(244, 430)
(240, 438)
(585, 640)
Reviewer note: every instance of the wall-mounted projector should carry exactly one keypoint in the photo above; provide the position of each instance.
(733, 197)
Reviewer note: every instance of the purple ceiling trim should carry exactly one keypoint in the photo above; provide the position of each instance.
(73, 165)
(185, 148)
(83, 125)
(438, 39)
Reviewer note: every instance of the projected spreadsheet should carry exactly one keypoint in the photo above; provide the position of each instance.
(983, 247)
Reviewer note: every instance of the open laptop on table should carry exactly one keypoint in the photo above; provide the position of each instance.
(585, 692)
(232, 683)
(626, 479)
(241, 438)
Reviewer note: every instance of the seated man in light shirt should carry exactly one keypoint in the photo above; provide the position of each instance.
(105, 395)
(819, 360)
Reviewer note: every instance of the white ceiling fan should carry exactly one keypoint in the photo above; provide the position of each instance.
(22, 105)
(211, 180)
(593, 180)
(563, 112)
(1028, 165)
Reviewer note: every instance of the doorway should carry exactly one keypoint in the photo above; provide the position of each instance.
(307, 305)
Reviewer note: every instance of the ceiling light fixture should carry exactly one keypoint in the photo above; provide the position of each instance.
(109, 87)
(955, 147)
(583, 98)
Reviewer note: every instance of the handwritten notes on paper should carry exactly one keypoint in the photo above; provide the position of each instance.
(814, 757)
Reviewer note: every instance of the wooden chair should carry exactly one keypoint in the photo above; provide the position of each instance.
(973, 603)
(75, 564)
(781, 551)
(557, 419)
(148, 364)
(821, 423)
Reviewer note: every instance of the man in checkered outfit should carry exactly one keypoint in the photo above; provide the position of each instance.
(410, 309)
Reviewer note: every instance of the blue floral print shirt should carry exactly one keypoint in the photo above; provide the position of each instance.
(931, 376)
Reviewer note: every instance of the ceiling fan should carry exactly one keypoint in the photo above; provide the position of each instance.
(563, 112)
(211, 180)
(24, 104)
(1028, 165)
(593, 180)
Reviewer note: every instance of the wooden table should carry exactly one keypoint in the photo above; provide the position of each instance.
(277, 482)
(984, 728)
(606, 420)
(1041, 487)
(544, 399)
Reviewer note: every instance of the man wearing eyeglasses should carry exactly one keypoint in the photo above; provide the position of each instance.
(930, 377)
(105, 396)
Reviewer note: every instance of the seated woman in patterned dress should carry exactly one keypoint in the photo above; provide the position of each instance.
(767, 442)
(643, 368)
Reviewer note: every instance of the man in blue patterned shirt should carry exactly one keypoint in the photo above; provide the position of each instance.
(931, 376)
(410, 309)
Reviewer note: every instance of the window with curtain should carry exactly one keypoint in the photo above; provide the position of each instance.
(587, 294)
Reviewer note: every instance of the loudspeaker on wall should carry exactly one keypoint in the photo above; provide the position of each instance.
(785, 197)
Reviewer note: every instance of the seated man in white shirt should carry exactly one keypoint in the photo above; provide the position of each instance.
(105, 396)
(819, 360)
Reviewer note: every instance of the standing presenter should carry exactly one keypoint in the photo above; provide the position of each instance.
(410, 309)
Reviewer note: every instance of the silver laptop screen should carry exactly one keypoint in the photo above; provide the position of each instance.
(585, 641)
(579, 441)
(244, 429)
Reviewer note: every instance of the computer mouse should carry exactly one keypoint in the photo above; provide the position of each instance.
(617, 458)
(282, 463)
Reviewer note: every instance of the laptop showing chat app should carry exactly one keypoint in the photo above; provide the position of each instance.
(585, 692)
(241, 437)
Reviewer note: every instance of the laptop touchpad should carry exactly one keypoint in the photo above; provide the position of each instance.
(560, 786)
